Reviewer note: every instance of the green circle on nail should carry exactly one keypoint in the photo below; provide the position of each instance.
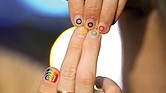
(94, 32)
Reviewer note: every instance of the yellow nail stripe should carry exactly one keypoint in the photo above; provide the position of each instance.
(83, 31)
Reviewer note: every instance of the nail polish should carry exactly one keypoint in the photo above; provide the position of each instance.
(94, 34)
(78, 20)
(90, 23)
(102, 27)
(51, 75)
(82, 30)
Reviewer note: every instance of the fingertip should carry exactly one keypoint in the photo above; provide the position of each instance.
(94, 34)
(49, 81)
(105, 31)
(51, 75)
(78, 21)
(76, 12)
(107, 85)
(99, 82)
(90, 23)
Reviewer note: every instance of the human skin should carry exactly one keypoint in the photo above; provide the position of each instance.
(95, 14)
(144, 48)
(78, 70)
(142, 25)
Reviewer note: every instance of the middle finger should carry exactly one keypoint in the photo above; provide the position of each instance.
(92, 13)
(86, 71)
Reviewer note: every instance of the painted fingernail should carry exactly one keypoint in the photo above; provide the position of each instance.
(51, 75)
(78, 20)
(82, 31)
(94, 33)
(102, 27)
(90, 23)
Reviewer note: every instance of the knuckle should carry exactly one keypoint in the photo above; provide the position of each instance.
(75, 44)
(91, 46)
(75, 7)
(107, 15)
(86, 79)
(92, 10)
(68, 73)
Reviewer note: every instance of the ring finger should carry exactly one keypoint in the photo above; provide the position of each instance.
(70, 62)
(86, 71)
(107, 15)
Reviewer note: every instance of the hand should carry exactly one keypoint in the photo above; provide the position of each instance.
(78, 70)
(100, 14)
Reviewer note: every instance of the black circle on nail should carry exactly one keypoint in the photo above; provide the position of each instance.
(90, 24)
(79, 21)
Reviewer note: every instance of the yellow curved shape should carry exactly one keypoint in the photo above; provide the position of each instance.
(52, 59)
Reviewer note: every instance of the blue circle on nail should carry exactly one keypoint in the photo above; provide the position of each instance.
(79, 21)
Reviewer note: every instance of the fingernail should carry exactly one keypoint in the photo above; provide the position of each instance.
(102, 27)
(82, 31)
(90, 23)
(51, 75)
(78, 20)
(94, 33)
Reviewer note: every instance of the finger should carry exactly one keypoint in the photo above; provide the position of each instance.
(107, 85)
(49, 81)
(70, 62)
(92, 13)
(107, 15)
(120, 8)
(76, 8)
(86, 71)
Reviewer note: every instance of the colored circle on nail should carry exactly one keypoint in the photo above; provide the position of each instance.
(79, 21)
(90, 24)
(101, 28)
(83, 31)
(94, 32)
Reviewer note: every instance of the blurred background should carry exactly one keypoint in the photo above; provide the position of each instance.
(31, 26)
(28, 29)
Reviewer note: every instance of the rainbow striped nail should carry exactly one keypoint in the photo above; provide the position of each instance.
(51, 75)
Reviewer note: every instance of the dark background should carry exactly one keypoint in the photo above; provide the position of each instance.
(29, 31)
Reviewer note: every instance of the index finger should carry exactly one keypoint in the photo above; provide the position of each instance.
(71, 60)
(76, 8)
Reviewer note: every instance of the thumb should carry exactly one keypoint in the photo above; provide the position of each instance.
(107, 85)
(49, 81)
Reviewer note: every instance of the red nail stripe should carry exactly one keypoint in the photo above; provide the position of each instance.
(101, 28)
(51, 75)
